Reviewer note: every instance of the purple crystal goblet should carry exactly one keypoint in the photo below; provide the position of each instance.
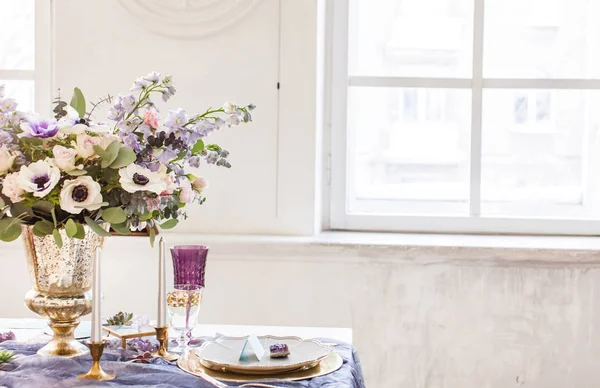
(189, 264)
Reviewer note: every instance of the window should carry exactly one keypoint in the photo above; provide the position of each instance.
(466, 116)
(17, 47)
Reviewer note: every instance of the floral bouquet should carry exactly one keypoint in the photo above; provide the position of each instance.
(131, 172)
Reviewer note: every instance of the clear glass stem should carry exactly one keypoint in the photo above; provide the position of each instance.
(183, 341)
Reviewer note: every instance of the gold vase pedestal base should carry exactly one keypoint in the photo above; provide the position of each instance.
(63, 314)
(162, 335)
(96, 373)
(63, 343)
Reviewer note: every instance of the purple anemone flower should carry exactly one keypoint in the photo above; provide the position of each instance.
(39, 128)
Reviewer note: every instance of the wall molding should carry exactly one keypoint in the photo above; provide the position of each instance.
(188, 19)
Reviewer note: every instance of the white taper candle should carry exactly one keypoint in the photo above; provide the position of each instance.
(162, 285)
(96, 301)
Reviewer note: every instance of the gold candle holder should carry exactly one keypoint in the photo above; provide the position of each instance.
(96, 372)
(162, 335)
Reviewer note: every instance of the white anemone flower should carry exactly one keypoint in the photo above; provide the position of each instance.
(80, 193)
(137, 178)
(39, 178)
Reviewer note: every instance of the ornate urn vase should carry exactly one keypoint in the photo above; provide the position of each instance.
(62, 280)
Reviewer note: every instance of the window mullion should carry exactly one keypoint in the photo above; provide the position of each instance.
(476, 110)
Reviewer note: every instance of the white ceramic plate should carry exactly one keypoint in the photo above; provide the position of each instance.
(223, 355)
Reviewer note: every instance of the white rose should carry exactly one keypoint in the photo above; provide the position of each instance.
(81, 193)
(187, 194)
(199, 184)
(39, 178)
(11, 189)
(7, 159)
(64, 158)
(85, 145)
(137, 178)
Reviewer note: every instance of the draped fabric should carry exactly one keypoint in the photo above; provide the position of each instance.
(31, 370)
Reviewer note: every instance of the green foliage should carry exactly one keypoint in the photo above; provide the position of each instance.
(169, 224)
(80, 231)
(122, 229)
(109, 154)
(71, 228)
(18, 209)
(114, 215)
(78, 102)
(10, 229)
(152, 236)
(198, 147)
(96, 227)
(43, 228)
(57, 238)
(125, 157)
(77, 172)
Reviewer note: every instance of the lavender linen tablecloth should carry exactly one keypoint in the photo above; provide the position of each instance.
(31, 370)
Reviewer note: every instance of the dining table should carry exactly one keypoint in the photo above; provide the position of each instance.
(28, 369)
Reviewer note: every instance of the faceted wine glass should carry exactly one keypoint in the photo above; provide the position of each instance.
(183, 305)
(189, 263)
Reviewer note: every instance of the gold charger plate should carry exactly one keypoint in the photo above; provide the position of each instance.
(190, 363)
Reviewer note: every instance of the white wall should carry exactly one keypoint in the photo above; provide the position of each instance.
(229, 50)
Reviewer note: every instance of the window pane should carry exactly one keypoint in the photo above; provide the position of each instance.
(546, 162)
(411, 38)
(542, 39)
(22, 91)
(408, 163)
(17, 37)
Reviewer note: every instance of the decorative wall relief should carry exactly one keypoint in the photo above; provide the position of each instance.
(188, 19)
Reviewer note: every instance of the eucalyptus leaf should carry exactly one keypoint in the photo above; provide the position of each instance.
(96, 227)
(145, 217)
(100, 152)
(43, 227)
(169, 224)
(38, 233)
(122, 229)
(109, 154)
(125, 157)
(152, 236)
(17, 209)
(198, 147)
(80, 232)
(77, 172)
(78, 102)
(114, 215)
(57, 238)
(10, 229)
(71, 228)
(43, 207)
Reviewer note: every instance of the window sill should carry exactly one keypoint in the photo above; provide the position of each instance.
(373, 248)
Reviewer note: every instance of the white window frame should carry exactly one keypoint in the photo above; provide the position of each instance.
(41, 75)
(474, 222)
